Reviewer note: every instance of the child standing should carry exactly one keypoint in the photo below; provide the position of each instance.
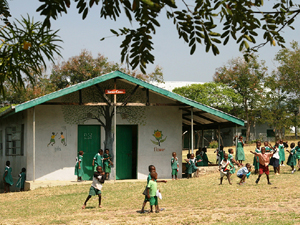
(240, 154)
(21, 181)
(192, 167)
(151, 192)
(204, 157)
(281, 152)
(78, 167)
(292, 157)
(224, 169)
(199, 158)
(275, 159)
(264, 160)
(255, 159)
(98, 160)
(95, 189)
(243, 173)
(174, 166)
(107, 163)
(7, 177)
(297, 151)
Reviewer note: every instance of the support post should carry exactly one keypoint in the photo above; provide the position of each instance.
(219, 140)
(33, 144)
(115, 131)
(192, 130)
(202, 138)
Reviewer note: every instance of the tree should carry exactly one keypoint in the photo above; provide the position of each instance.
(197, 23)
(23, 47)
(289, 78)
(246, 78)
(216, 95)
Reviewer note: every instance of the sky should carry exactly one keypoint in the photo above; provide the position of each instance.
(171, 53)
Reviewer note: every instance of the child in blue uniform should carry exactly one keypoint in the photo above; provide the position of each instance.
(243, 173)
(7, 177)
(21, 181)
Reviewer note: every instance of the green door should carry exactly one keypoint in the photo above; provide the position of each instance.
(126, 151)
(89, 143)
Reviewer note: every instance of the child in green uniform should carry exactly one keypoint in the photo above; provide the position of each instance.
(232, 161)
(95, 189)
(204, 157)
(224, 169)
(281, 152)
(151, 169)
(240, 154)
(292, 157)
(21, 181)
(297, 151)
(174, 166)
(151, 192)
(267, 147)
(97, 161)
(107, 163)
(199, 159)
(192, 166)
(78, 166)
(7, 177)
(255, 159)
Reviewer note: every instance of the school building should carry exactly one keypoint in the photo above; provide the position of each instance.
(45, 134)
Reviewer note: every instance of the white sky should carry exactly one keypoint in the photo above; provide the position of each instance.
(171, 53)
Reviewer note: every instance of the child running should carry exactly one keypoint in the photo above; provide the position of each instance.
(281, 152)
(7, 177)
(232, 161)
(95, 189)
(78, 167)
(292, 157)
(255, 159)
(98, 160)
(264, 159)
(224, 169)
(21, 181)
(174, 166)
(243, 173)
(151, 169)
(151, 192)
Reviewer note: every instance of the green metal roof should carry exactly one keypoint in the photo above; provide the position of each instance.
(118, 74)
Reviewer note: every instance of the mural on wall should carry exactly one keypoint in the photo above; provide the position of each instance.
(62, 137)
(103, 114)
(159, 137)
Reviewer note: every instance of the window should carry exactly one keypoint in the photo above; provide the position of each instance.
(1, 144)
(270, 133)
(14, 140)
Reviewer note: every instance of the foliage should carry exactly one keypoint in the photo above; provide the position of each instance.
(197, 23)
(216, 95)
(24, 45)
(213, 144)
(246, 78)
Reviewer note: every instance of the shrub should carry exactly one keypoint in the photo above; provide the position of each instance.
(213, 144)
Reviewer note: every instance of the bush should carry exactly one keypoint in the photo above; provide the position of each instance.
(213, 144)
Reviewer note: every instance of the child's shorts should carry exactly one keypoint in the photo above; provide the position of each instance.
(223, 174)
(174, 172)
(94, 191)
(153, 200)
(264, 169)
(240, 176)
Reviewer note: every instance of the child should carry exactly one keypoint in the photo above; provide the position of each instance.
(224, 169)
(232, 161)
(78, 167)
(281, 152)
(204, 157)
(255, 159)
(240, 154)
(95, 189)
(174, 165)
(275, 159)
(107, 163)
(264, 159)
(21, 181)
(267, 146)
(7, 177)
(243, 173)
(297, 151)
(98, 160)
(292, 157)
(199, 158)
(151, 169)
(192, 167)
(151, 192)
(220, 154)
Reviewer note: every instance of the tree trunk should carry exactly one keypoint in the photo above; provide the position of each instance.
(108, 142)
(248, 122)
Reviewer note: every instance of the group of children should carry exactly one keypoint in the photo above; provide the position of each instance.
(102, 159)
(8, 179)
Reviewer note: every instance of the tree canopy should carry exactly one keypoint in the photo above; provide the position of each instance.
(205, 22)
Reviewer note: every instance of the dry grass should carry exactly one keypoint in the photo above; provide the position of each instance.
(194, 201)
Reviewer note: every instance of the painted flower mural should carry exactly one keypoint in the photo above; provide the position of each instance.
(159, 137)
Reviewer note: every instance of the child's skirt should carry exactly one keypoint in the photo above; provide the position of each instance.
(292, 160)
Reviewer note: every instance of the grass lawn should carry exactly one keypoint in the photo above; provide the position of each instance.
(194, 201)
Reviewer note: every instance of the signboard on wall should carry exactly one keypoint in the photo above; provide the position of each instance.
(115, 91)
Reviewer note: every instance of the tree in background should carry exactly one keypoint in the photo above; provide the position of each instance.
(197, 22)
(289, 78)
(247, 79)
(216, 95)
